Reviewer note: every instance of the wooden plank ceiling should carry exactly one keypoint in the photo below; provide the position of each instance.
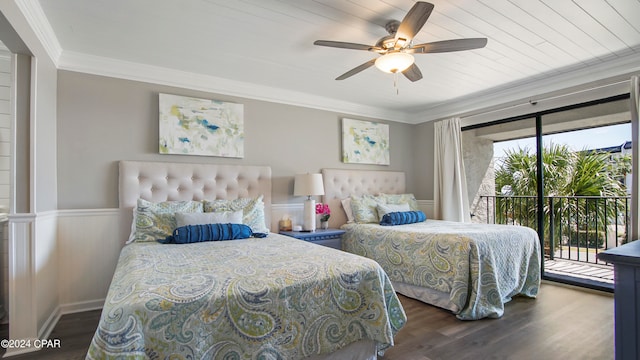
(269, 43)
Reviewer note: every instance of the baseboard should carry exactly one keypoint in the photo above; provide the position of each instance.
(14, 351)
(51, 323)
(81, 306)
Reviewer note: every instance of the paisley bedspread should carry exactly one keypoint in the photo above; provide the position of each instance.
(270, 298)
(479, 266)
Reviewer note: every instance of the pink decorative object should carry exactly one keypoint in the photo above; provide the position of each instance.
(324, 211)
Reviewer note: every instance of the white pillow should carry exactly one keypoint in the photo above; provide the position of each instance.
(346, 205)
(388, 208)
(222, 217)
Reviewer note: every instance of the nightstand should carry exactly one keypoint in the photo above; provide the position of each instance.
(326, 237)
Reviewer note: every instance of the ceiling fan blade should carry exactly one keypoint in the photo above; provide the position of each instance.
(357, 69)
(346, 45)
(413, 21)
(413, 73)
(449, 45)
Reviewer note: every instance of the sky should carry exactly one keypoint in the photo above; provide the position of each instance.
(577, 140)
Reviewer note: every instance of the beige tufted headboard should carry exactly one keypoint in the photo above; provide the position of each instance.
(340, 184)
(166, 181)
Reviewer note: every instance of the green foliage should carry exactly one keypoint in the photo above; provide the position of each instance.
(574, 182)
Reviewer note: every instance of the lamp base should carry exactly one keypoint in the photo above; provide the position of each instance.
(309, 215)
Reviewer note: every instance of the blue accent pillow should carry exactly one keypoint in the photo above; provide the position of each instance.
(210, 232)
(403, 217)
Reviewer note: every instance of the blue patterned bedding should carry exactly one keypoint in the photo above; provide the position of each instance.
(275, 297)
(479, 266)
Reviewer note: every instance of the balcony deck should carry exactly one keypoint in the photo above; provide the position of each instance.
(583, 226)
(598, 273)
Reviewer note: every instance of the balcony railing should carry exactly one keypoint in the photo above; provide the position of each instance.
(576, 227)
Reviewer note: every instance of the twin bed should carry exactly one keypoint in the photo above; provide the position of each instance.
(278, 297)
(470, 269)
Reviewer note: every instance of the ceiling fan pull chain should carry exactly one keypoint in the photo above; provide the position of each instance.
(395, 82)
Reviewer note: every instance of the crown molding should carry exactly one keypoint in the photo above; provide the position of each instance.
(600, 74)
(97, 65)
(37, 20)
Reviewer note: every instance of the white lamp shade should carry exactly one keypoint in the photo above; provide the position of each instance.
(308, 185)
(394, 62)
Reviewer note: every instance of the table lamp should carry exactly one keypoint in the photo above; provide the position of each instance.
(308, 185)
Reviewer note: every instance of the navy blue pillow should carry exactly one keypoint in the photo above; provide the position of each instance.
(402, 217)
(210, 232)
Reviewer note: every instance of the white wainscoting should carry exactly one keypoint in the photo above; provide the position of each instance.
(33, 275)
(89, 243)
(46, 272)
(281, 211)
(427, 206)
(21, 280)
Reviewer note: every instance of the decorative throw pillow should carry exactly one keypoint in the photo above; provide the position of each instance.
(346, 205)
(223, 217)
(384, 209)
(252, 211)
(401, 199)
(153, 221)
(364, 208)
(401, 218)
(210, 232)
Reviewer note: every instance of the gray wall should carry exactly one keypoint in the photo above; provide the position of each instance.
(5, 128)
(102, 120)
(422, 184)
(44, 78)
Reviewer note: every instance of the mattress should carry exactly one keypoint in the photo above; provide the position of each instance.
(470, 269)
(275, 297)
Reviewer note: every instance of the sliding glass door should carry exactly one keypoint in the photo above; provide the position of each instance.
(564, 173)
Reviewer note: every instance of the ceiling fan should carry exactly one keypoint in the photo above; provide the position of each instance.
(396, 49)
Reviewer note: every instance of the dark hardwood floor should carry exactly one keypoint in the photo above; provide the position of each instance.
(74, 332)
(562, 323)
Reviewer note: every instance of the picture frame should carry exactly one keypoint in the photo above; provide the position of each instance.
(365, 142)
(194, 126)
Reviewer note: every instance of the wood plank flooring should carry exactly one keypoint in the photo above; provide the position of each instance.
(562, 323)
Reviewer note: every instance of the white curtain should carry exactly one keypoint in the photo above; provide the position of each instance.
(450, 193)
(635, 151)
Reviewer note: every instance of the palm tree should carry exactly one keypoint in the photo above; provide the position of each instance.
(574, 182)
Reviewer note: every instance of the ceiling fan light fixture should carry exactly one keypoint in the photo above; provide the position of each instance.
(394, 62)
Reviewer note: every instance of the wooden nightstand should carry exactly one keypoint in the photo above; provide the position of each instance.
(326, 237)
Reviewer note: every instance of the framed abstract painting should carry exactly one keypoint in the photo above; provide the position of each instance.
(365, 142)
(193, 126)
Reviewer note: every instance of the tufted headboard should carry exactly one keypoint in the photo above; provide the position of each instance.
(340, 184)
(166, 181)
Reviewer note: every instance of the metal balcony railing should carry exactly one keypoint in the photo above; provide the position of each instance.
(576, 227)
